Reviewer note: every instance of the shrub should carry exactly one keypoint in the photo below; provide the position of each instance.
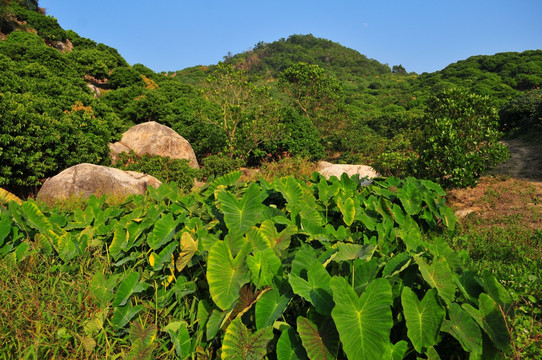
(460, 139)
(163, 168)
(218, 165)
(522, 114)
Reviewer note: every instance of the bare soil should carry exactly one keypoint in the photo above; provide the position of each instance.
(512, 189)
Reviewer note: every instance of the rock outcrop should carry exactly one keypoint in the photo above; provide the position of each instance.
(328, 170)
(84, 180)
(154, 139)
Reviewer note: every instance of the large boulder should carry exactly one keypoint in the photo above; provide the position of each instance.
(84, 180)
(154, 139)
(328, 170)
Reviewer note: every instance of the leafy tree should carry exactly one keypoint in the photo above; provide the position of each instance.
(123, 77)
(317, 95)
(520, 114)
(460, 139)
(398, 69)
(247, 115)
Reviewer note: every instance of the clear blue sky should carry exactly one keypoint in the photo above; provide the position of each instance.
(422, 35)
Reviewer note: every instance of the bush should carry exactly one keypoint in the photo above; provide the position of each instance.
(522, 114)
(35, 144)
(163, 168)
(218, 165)
(460, 139)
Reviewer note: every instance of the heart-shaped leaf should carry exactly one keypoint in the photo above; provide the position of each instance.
(462, 327)
(423, 318)
(439, 276)
(315, 289)
(225, 275)
(241, 215)
(364, 323)
(270, 307)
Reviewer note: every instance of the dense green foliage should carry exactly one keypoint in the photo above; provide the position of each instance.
(459, 142)
(163, 168)
(301, 96)
(243, 270)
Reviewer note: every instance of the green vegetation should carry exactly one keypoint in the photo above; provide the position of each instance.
(459, 142)
(231, 269)
(277, 266)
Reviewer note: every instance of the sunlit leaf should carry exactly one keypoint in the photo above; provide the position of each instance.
(364, 323)
(240, 344)
(423, 318)
(225, 275)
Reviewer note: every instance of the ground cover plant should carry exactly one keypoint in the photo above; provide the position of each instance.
(281, 269)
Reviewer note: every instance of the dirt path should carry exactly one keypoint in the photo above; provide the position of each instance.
(525, 163)
(514, 187)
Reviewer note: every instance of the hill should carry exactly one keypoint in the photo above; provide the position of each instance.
(72, 96)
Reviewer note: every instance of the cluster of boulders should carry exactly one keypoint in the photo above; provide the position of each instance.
(151, 138)
(84, 180)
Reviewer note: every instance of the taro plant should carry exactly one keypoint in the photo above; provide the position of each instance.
(289, 269)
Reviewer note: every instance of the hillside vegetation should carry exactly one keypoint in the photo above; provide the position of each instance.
(276, 266)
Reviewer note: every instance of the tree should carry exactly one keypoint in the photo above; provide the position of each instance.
(398, 69)
(245, 112)
(460, 139)
(317, 95)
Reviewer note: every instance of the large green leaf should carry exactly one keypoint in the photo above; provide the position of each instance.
(215, 322)
(264, 265)
(240, 344)
(348, 252)
(102, 289)
(119, 238)
(278, 241)
(315, 289)
(165, 228)
(423, 318)
(497, 291)
(157, 261)
(130, 285)
(291, 190)
(319, 343)
(241, 215)
(364, 273)
(410, 199)
(178, 332)
(462, 327)
(448, 217)
(439, 276)
(491, 320)
(35, 218)
(122, 315)
(69, 246)
(289, 346)
(225, 275)
(395, 351)
(364, 323)
(270, 307)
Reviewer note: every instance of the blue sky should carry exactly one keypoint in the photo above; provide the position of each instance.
(422, 35)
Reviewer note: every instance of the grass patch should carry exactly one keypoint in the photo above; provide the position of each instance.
(504, 234)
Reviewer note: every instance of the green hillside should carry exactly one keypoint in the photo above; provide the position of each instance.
(64, 97)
